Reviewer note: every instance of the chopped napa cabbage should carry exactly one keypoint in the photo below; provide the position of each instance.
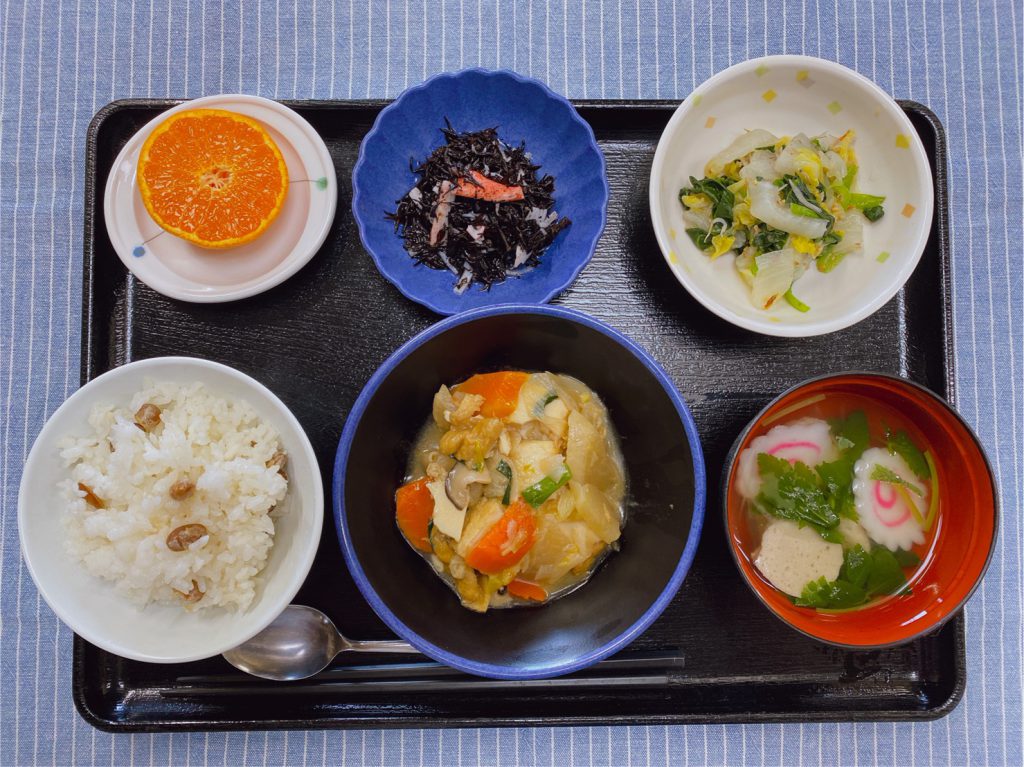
(776, 271)
(738, 149)
(764, 195)
(721, 244)
(765, 205)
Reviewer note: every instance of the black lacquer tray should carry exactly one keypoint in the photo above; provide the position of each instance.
(715, 655)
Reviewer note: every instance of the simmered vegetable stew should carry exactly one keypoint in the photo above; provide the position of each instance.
(515, 488)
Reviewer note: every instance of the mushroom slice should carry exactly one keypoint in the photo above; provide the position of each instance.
(456, 484)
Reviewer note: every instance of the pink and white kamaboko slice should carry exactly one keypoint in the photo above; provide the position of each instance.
(807, 440)
(890, 512)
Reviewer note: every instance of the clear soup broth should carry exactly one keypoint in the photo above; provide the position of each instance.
(841, 502)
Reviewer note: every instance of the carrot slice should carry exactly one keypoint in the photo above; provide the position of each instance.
(414, 508)
(499, 390)
(506, 542)
(487, 189)
(527, 590)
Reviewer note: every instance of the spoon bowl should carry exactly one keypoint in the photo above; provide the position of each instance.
(300, 643)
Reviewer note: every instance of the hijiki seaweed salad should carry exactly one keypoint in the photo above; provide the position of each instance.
(782, 205)
(478, 210)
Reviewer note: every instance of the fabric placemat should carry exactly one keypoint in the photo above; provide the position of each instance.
(61, 60)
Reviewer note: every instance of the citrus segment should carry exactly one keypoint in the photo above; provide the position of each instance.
(213, 177)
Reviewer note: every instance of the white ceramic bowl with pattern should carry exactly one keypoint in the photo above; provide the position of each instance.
(787, 95)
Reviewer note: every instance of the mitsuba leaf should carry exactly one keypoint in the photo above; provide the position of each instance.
(795, 492)
(881, 474)
(886, 575)
(864, 575)
(856, 566)
(833, 595)
(902, 445)
(906, 558)
(854, 430)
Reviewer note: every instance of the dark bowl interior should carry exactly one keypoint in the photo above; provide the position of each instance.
(665, 494)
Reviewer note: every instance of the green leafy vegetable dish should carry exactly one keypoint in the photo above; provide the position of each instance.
(841, 504)
(781, 205)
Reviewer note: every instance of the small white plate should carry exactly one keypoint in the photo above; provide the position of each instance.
(182, 270)
(165, 633)
(787, 95)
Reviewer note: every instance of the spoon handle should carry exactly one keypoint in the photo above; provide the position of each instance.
(380, 645)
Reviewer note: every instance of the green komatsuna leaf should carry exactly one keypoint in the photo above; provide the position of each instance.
(717, 191)
(881, 474)
(770, 240)
(902, 445)
(701, 238)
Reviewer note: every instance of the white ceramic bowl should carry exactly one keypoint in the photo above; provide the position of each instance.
(157, 633)
(788, 95)
(180, 269)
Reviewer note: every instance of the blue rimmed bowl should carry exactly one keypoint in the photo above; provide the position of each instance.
(665, 502)
(523, 110)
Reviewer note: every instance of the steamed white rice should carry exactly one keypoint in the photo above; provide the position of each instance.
(223, 447)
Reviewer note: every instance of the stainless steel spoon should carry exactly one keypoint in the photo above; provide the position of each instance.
(301, 642)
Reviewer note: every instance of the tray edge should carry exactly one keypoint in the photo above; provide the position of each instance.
(104, 724)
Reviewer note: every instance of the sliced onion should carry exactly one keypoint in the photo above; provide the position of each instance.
(765, 205)
(741, 147)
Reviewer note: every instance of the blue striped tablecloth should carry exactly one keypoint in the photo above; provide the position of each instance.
(62, 60)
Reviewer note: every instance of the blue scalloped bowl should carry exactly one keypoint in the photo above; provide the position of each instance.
(474, 99)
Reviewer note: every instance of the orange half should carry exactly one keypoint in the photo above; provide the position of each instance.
(212, 177)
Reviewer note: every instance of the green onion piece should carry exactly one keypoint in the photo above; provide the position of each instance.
(803, 210)
(506, 471)
(874, 213)
(539, 492)
(829, 260)
(864, 201)
(795, 302)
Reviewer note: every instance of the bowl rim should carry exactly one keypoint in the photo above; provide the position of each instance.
(493, 670)
(297, 575)
(376, 129)
(863, 309)
(732, 455)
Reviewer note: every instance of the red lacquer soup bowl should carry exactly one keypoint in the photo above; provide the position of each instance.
(956, 553)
